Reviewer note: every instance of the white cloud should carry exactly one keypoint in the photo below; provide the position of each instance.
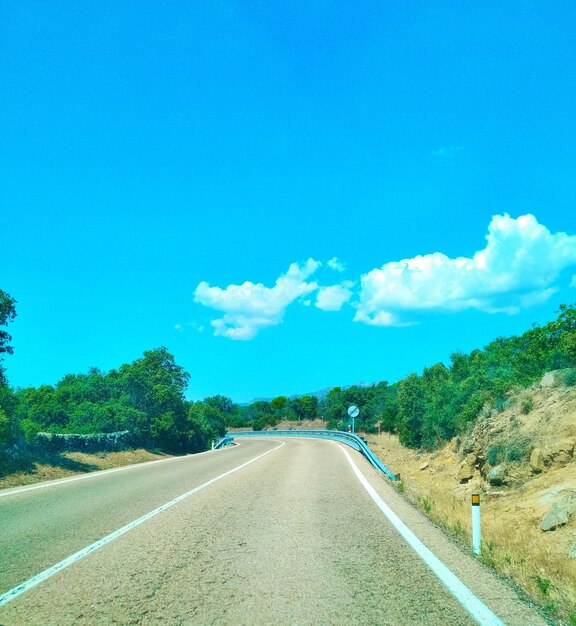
(178, 327)
(336, 264)
(518, 267)
(333, 298)
(250, 307)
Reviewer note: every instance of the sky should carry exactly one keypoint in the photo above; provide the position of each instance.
(288, 196)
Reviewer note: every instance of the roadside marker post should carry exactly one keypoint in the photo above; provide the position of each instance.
(476, 523)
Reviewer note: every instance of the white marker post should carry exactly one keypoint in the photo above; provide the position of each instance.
(476, 523)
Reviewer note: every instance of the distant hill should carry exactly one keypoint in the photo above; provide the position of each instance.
(321, 394)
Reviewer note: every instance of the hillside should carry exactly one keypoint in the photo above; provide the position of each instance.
(521, 460)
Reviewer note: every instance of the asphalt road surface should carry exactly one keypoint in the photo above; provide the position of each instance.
(269, 532)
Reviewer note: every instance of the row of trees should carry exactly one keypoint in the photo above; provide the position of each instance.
(429, 409)
(147, 397)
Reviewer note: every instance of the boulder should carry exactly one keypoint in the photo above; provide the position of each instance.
(549, 379)
(470, 459)
(559, 453)
(556, 378)
(465, 472)
(424, 466)
(537, 461)
(559, 514)
(497, 475)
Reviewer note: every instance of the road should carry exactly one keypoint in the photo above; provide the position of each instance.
(285, 533)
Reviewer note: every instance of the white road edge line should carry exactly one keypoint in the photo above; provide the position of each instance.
(61, 481)
(477, 609)
(47, 573)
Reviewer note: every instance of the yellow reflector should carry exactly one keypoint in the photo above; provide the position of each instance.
(476, 498)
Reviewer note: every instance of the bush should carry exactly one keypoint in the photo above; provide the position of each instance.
(511, 451)
(570, 378)
(500, 404)
(495, 454)
(30, 429)
(527, 405)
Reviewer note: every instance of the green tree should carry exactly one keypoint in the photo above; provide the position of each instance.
(280, 408)
(411, 410)
(7, 314)
(229, 412)
(305, 407)
(154, 385)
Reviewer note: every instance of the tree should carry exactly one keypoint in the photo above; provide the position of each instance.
(305, 407)
(154, 385)
(7, 314)
(411, 410)
(228, 411)
(280, 407)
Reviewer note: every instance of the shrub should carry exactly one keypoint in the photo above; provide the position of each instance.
(495, 454)
(512, 451)
(30, 429)
(543, 585)
(570, 378)
(500, 404)
(527, 405)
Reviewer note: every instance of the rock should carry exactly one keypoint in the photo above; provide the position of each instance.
(548, 379)
(559, 514)
(470, 459)
(424, 466)
(559, 453)
(465, 472)
(497, 475)
(537, 461)
(572, 553)
(555, 378)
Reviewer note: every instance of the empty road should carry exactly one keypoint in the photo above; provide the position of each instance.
(265, 532)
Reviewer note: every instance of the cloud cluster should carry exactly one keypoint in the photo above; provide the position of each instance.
(250, 307)
(332, 298)
(517, 268)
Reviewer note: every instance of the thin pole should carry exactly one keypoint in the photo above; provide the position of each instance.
(476, 523)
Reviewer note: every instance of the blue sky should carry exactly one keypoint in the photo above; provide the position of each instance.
(288, 196)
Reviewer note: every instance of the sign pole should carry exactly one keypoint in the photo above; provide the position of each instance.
(353, 412)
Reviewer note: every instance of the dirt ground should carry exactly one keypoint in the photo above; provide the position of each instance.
(512, 542)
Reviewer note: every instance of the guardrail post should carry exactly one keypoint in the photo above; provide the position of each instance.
(476, 541)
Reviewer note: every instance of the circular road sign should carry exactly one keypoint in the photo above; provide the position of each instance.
(353, 411)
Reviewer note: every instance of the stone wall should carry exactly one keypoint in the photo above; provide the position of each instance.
(99, 442)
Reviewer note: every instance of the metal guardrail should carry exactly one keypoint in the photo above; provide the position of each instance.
(224, 441)
(335, 435)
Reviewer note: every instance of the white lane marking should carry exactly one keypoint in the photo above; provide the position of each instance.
(47, 573)
(55, 483)
(477, 609)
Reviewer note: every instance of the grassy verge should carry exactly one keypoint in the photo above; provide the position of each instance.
(29, 470)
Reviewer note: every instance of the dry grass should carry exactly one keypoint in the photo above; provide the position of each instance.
(71, 464)
(512, 543)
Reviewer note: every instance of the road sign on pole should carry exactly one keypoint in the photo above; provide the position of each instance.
(353, 412)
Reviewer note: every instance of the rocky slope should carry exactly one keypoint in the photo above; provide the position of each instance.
(521, 460)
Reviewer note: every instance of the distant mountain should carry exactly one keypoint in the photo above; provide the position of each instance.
(321, 394)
